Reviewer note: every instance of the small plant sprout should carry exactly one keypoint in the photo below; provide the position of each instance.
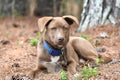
(33, 42)
(85, 36)
(38, 35)
(98, 60)
(63, 75)
(89, 72)
(97, 42)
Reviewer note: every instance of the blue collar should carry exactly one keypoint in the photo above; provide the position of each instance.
(51, 51)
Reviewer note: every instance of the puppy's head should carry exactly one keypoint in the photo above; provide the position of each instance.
(56, 29)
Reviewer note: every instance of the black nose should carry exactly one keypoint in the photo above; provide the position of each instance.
(61, 39)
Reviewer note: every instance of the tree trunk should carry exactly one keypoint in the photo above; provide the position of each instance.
(32, 5)
(13, 9)
(97, 12)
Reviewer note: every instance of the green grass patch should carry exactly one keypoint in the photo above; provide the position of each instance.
(34, 42)
(87, 73)
(85, 36)
(99, 60)
(38, 35)
(63, 75)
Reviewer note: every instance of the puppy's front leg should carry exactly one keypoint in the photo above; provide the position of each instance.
(71, 69)
(49, 66)
(43, 64)
(72, 61)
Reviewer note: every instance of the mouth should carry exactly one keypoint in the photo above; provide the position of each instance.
(60, 44)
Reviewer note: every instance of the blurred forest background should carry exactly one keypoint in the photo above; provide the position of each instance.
(40, 7)
(89, 12)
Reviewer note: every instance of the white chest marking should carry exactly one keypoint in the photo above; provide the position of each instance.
(54, 59)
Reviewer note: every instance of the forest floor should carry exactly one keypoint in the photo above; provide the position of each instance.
(18, 57)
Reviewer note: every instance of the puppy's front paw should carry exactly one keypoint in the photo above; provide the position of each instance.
(76, 75)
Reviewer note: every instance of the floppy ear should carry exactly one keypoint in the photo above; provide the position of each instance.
(43, 22)
(71, 19)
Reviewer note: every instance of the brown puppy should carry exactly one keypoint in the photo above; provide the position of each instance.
(57, 50)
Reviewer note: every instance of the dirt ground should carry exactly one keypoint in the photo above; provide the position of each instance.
(17, 56)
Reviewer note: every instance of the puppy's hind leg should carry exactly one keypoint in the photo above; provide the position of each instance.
(84, 48)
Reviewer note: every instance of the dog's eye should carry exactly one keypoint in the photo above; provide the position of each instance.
(53, 28)
(65, 29)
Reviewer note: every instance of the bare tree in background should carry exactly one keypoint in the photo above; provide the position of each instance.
(32, 6)
(71, 7)
(97, 12)
(13, 9)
